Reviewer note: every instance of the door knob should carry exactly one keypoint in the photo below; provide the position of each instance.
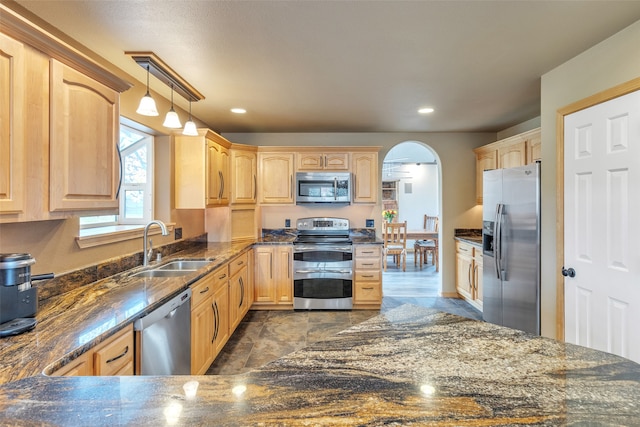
(568, 272)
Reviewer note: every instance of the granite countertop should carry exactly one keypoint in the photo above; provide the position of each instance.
(410, 365)
(71, 323)
(75, 321)
(469, 235)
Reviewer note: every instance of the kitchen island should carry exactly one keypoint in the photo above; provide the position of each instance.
(410, 365)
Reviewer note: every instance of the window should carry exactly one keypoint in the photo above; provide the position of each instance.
(136, 187)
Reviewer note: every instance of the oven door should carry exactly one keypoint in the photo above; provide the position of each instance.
(322, 277)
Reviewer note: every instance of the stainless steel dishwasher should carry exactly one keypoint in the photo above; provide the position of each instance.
(165, 338)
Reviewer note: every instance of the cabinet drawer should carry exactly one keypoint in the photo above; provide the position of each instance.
(202, 290)
(221, 277)
(368, 276)
(368, 251)
(367, 292)
(115, 356)
(238, 263)
(367, 264)
(464, 248)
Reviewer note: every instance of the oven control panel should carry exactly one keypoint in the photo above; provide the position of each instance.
(322, 224)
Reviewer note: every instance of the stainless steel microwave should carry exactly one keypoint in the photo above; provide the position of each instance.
(323, 187)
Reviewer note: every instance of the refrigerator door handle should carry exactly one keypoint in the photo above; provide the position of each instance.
(497, 240)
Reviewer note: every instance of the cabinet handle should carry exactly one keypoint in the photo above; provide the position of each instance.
(214, 306)
(469, 277)
(240, 263)
(121, 166)
(367, 252)
(222, 277)
(113, 359)
(368, 263)
(367, 275)
(205, 290)
(241, 292)
(255, 187)
(291, 191)
(368, 289)
(221, 187)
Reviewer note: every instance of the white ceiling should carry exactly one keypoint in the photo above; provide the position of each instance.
(348, 66)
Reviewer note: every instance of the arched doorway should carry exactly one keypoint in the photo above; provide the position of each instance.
(411, 184)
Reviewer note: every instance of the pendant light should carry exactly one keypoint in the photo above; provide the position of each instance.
(190, 127)
(171, 120)
(147, 105)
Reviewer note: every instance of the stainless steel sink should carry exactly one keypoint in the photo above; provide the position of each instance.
(185, 264)
(162, 273)
(175, 268)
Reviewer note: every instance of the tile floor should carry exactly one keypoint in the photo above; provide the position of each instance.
(263, 336)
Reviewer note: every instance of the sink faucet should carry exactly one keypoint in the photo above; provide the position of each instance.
(146, 253)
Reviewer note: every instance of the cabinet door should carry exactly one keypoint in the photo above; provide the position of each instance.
(220, 319)
(276, 178)
(12, 120)
(534, 147)
(115, 356)
(217, 188)
(478, 267)
(80, 366)
(238, 297)
(464, 274)
(202, 317)
(485, 160)
(512, 155)
(264, 276)
(365, 177)
(322, 161)
(84, 142)
(244, 182)
(284, 276)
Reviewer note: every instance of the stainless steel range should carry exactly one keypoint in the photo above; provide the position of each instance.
(322, 265)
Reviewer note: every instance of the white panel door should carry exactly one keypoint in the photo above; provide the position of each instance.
(602, 226)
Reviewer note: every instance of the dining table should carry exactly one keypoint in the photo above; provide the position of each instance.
(424, 234)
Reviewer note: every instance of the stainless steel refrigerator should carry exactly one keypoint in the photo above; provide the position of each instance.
(511, 247)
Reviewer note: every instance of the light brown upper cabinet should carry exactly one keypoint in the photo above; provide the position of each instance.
(517, 150)
(276, 182)
(364, 166)
(314, 161)
(84, 142)
(244, 173)
(12, 114)
(201, 170)
(59, 121)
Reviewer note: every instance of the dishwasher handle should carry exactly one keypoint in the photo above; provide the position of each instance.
(166, 310)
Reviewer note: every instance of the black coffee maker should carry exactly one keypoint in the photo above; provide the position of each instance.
(18, 298)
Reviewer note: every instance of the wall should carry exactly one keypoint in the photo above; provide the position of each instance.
(457, 175)
(609, 63)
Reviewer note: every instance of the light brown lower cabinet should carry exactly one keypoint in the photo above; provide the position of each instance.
(240, 290)
(114, 356)
(209, 319)
(273, 277)
(367, 289)
(469, 270)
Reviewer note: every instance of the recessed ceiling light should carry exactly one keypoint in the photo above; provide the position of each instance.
(425, 110)
(238, 110)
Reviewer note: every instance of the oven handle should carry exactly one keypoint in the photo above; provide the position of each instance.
(324, 271)
(300, 248)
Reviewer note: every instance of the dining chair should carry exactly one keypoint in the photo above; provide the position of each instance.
(422, 248)
(395, 243)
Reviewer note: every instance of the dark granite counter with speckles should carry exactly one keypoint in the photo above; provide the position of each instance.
(71, 323)
(469, 235)
(408, 366)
